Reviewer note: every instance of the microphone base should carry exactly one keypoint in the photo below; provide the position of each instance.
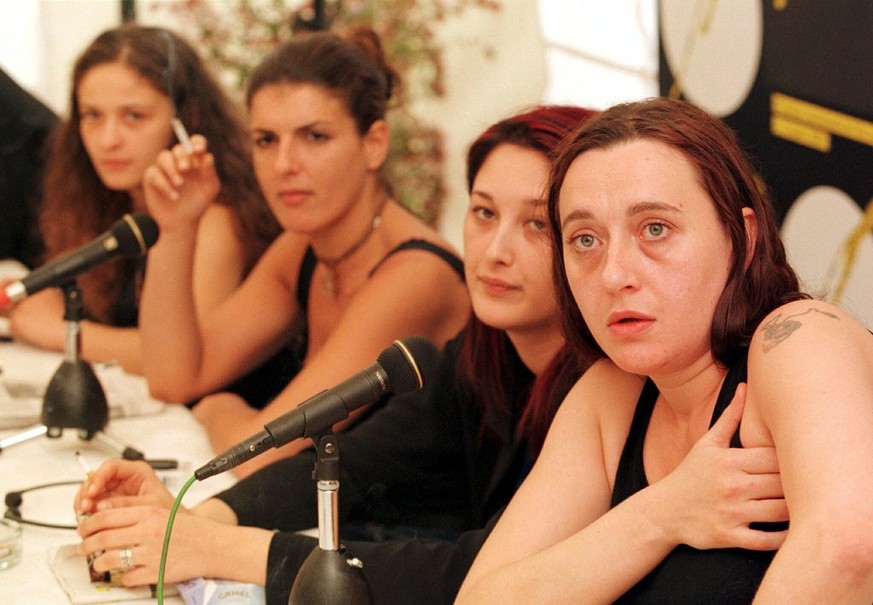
(75, 399)
(330, 577)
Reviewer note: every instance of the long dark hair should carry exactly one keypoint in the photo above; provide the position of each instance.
(727, 175)
(486, 351)
(77, 206)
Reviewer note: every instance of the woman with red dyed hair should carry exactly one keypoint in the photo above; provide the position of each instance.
(667, 259)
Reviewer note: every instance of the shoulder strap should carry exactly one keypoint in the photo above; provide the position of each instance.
(736, 374)
(304, 278)
(419, 244)
(630, 476)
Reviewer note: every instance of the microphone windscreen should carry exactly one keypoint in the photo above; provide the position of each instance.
(135, 233)
(409, 363)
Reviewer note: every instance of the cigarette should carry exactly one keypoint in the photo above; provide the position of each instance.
(182, 135)
(84, 464)
(96, 576)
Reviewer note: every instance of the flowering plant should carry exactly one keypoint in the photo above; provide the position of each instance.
(236, 35)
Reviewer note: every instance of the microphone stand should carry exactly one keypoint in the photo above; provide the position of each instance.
(74, 397)
(329, 576)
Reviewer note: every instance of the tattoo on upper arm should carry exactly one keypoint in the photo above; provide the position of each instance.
(778, 329)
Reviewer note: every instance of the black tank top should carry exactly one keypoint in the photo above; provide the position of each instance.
(728, 576)
(307, 268)
(262, 384)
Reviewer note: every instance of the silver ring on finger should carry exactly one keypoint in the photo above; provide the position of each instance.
(126, 557)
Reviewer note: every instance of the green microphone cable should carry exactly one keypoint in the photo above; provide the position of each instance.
(166, 547)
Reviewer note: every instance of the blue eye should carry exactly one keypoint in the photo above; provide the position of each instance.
(656, 230)
(585, 241)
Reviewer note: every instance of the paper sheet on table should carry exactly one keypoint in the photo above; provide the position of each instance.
(126, 394)
(71, 570)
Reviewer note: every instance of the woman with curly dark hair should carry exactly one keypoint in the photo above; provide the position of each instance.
(127, 87)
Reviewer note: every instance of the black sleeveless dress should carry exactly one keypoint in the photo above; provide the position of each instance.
(727, 576)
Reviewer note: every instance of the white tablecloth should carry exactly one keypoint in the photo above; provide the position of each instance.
(171, 432)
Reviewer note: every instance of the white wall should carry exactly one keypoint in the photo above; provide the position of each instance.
(40, 39)
(496, 62)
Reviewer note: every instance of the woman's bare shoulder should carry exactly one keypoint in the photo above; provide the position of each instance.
(802, 324)
(432, 261)
(807, 351)
(605, 387)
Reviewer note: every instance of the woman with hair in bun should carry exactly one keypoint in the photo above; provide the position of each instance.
(352, 271)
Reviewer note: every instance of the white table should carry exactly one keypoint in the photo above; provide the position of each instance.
(172, 432)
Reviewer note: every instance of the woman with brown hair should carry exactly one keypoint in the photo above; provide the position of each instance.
(127, 88)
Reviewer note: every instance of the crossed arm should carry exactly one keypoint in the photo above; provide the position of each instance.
(558, 540)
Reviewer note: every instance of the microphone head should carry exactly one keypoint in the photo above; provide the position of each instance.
(135, 233)
(409, 363)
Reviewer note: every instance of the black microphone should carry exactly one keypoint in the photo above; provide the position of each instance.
(131, 235)
(404, 366)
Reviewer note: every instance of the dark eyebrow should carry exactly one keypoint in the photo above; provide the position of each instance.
(537, 202)
(301, 128)
(643, 207)
(575, 216)
(134, 105)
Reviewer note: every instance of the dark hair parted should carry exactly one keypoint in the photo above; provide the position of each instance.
(352, 67)
(487, 351)
(77, 206)
(727, 176)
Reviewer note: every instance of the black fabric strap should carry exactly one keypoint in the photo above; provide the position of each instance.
(420, 244)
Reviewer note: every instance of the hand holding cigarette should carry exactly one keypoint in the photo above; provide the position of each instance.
(184, 172)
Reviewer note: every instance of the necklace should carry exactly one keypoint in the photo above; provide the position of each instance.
(331, 264)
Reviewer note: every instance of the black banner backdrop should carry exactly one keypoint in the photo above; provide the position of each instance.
(794, 78)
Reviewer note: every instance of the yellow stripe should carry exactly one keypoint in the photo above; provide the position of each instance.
(822, 118)
(800, 134)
